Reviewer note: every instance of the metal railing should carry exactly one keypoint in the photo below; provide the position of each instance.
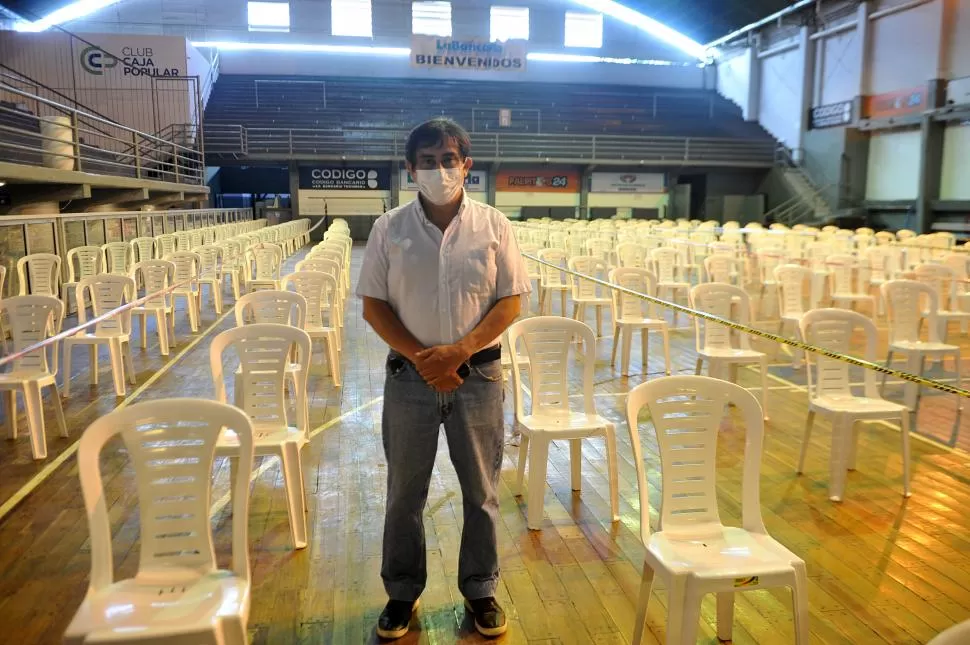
(240, 141)
(66, 138)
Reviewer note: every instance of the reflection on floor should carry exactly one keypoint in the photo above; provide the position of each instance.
(882, 569)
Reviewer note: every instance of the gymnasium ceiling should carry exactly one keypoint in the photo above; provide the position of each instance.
(702, 20)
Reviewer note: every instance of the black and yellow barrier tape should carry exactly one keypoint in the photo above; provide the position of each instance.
(791, 342)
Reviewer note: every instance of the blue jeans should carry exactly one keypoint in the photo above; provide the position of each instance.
(474, 427)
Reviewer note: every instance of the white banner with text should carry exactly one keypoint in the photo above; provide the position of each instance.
(468, 54)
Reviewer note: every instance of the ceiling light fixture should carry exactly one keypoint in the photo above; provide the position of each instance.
(653, 27)
(70, 12)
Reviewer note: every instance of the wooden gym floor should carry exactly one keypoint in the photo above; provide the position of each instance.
(882, 569)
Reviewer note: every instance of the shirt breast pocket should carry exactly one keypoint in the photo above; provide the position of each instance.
(479, 272)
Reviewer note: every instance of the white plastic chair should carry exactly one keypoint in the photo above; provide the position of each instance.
(320, 291)
(234, 266)
(944, 281)
(716, 343)
(551, 280)
(768, 260)
(532, 269)
(958, 634)
(263, 351)
(118, 257)
(664, 264)
(794, 289)
(631, 313)
(82, 262)
(187, 276)
(164, 246)
(330, 267)
(156, 276)
(32, 319)
(849, 282)
(547, 341)
(39, 274)
(179, 595)
(142, 249)
(586, 293)
(210, 273)
(106, 292)
(278, 307)
(267, 259)
(830, 393)
(692, 552)
(631, 255)
(723, 268)
(908, 303)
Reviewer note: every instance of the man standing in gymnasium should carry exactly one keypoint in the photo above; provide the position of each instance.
(440, 283)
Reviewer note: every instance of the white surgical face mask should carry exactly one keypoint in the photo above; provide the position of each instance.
(439, 186)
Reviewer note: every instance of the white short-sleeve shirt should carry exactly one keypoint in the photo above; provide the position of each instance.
(441, 285)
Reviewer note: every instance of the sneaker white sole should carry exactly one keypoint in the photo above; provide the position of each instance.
(490, 632)
(400, 633)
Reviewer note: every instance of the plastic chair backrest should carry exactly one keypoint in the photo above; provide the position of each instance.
(959, 263)
(329, 253)
(209, 258)
(768, 260)
(664, 262)
(722, 268)
(271, 306)
(833, 329)
(156, 275)
(196, 240)
(263, 350)
(628, 306)
(318, 288)
(84, 262)
(143, 249)
(106, 292)
(268, 258)
(687, 412)
(548, 340)
(183, 241)
(186, 266)
(845, 274)
(549, 276)
(320, 263)
(631, 255)
(164, 246)
(531, 266)
(118, 256)
(908, 302)
(42, 271)
(720, 300)
(33, 319)
(941, 278)
(591, 266)
(171, 445)
(794, 282)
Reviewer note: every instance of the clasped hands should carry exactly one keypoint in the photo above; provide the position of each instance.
(438, 366)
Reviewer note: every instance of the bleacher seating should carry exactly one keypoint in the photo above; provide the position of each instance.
(398, 104)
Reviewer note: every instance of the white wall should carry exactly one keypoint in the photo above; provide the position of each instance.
(734, 78)
(954, 182)
(905, 48)
(894, 161)
(837, 68)
(780, 100)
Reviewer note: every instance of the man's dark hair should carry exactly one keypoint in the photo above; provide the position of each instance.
(434, 132)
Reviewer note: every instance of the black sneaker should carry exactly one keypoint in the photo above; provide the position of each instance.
(395, 620)
(489, 617)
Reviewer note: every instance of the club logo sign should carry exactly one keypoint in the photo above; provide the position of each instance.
(338, 178)
(627, 182)
(831, 116)
(138, 61)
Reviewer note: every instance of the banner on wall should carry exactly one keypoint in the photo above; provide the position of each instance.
(830, 116)
(475, 182)
(128, 56)
(468, 54)
(344, 178)
(898, 103)
(537, 181)
(627, 182)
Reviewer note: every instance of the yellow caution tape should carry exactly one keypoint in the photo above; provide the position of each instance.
(791, 342)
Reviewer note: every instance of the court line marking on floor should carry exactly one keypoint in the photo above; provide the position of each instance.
(58, 461)
(220, 503)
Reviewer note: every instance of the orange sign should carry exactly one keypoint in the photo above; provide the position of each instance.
(898, 103)
(537, 181)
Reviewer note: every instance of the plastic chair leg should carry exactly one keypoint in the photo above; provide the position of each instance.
(333, 355)
(725, 615)
(562, 298)
(852, 437)
(611, 467)
(643, 601)
(293, 479)
(68, 350)
(59, 412)
(35, 419)
(616, 342)
(676, 599)
(129, 363)
(904, 445)
(576, 464)
(666, 340)
(161, 324)
(837, 462)
(690, 619)
(95, 368)
(800, 604)
(10, 410)
(143, 323)
(809, 422)
(764, 386)
(645, 351)
(520, 467)
(627, 341)
(599, 321)
(115, 352)
(538, 462)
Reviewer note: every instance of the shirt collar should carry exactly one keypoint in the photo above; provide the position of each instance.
(458, 218)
